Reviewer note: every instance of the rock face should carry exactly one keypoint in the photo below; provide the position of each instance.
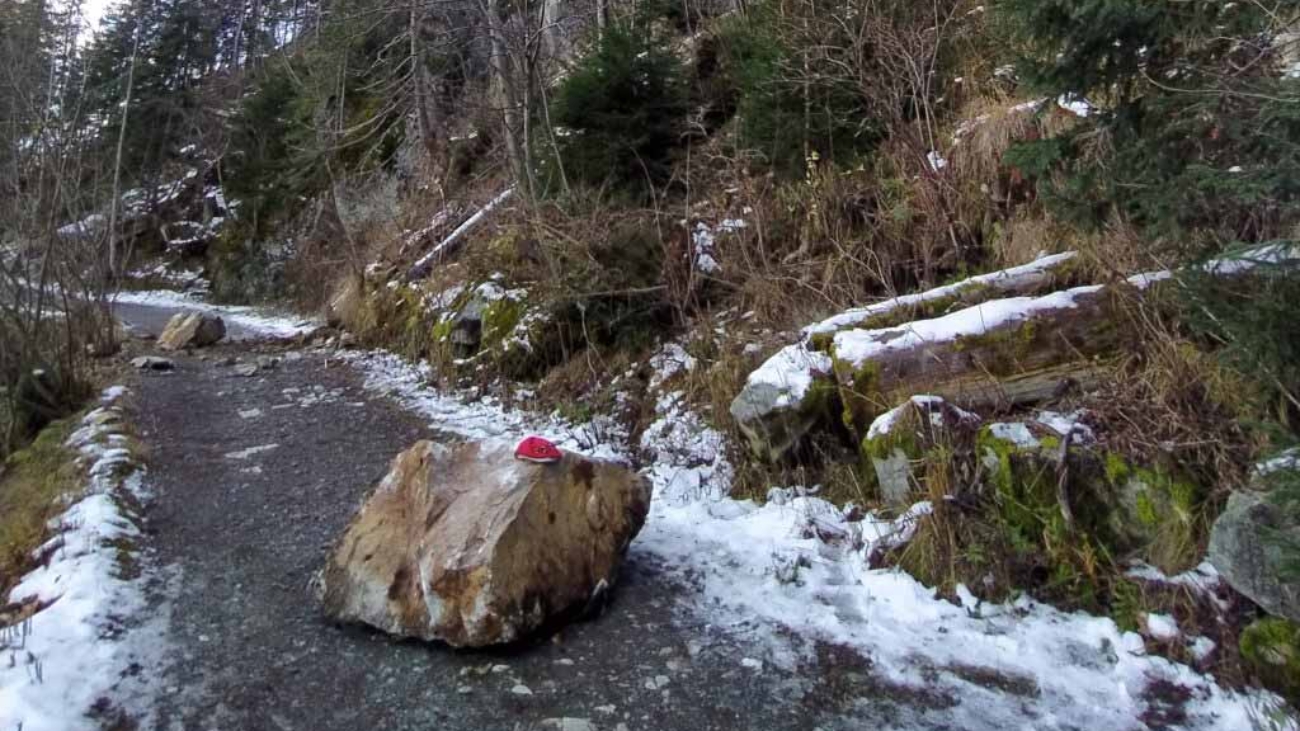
(192, 330)
(1246, 546)
(467, 545)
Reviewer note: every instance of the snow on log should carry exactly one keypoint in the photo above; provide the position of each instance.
(422, 267)
(1007, 351)
(789, 394)
(996, 350)
(1035, 276)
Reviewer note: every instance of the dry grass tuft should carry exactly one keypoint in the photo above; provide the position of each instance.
(34, 481)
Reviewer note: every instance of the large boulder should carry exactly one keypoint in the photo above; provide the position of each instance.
(467, 545)
(1248, 547)
(191, 330)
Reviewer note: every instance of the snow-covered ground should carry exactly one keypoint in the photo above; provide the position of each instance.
(795, 570)
(61, 662)
(250, 318)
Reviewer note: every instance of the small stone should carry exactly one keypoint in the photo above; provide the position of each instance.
(521, 689)
(608, 710)
(246, 370)
(564, 661)
(656, 682)
(751, 663)
(464, 689)
(498, 669)
(153, 363)
(568, 724)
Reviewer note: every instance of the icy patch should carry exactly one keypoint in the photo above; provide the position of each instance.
(483, 419)
(1203, 579)
(703, 241)
(770, 573)
(885, 423)
(76, 650)
(1162, 627)
(251, 451)
(1066, 424)
(671, 360)
(249, 318)
(687, 458)
(1016, 433)
(1076, 105)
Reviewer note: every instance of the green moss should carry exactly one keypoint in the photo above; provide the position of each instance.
(822, 342)
(1001, 351)
(1146, 510)
(1117, 469)
(442, 330)
(35, 480)
(859, 392)
(1271, 649)
(499, 320)
(1161, 517)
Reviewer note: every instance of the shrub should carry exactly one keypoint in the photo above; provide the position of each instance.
(783, 115)
(623, 110)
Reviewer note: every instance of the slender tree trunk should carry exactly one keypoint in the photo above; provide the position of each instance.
(117, 158)
(509, 92)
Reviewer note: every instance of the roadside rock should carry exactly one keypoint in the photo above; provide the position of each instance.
(1246, 546)
(783, 400)
(899, 438)
(1270, 648)
(246, 370)
(153, 363)
(467, 545)
(192, 330)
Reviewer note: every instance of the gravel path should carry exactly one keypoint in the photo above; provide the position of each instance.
(255, 477)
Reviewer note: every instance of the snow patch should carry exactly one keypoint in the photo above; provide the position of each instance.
(249, 318)
(791, 371)
(76, 650)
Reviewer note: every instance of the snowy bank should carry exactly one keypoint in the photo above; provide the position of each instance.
(76, 651)
(796, 571)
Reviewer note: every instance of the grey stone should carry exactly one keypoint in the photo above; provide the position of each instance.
(247, 370)
(1246, 547)
(153, 363)
(568, 724)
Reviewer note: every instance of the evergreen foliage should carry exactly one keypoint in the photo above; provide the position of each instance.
(789, 104)
(623, 110)
(1196, 139)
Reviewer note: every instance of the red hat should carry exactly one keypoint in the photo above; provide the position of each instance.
(536, 449)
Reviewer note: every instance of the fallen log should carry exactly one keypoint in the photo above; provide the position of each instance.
(1003, 352)
(997, 352)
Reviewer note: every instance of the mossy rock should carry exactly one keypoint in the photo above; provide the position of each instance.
(907, 434)
(1158, 511)
(1020, 461)
(1270, 647)
(773, 433)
